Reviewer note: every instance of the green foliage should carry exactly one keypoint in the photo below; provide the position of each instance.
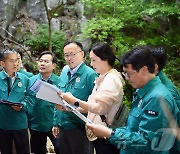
(39, 43)
(128, 95)
(102, 29)
(172, 70)
(125, 24)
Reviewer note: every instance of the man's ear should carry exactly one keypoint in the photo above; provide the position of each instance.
(144, 68)
(2, 63)
(156, 70)
(54, 65)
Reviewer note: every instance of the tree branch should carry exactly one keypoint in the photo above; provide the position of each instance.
(16, 43)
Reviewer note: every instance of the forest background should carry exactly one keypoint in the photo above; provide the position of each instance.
(123, 24)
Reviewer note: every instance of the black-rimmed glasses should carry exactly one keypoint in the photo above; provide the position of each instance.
(128, 75)
(72, 55)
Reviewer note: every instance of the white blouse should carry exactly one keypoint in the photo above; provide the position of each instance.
(106, 97)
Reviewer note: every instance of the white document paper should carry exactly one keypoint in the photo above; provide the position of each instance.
(48, 92)
(35, 87)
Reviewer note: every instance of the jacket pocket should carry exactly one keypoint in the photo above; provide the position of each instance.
(134, 119)
(61, 85)
(78, 86)
(3, 91)
(20, 89)
(3, 88)
(135, 113)
(19, 93)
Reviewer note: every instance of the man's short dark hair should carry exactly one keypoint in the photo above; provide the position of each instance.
(159, 55)
(78, 44)
(54, 58)
(139, 57)
(20, 53)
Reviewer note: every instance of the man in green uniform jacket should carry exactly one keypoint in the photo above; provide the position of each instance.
(41, 112)
(160, 59)
(147, 129)
(79, 80)
(13, 118)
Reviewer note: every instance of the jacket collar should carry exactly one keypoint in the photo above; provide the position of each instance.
(145, 89)
(5, 75)
(79, 70)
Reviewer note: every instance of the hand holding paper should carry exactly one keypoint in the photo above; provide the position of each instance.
(51, 94)
(60, 107)
(68, 97)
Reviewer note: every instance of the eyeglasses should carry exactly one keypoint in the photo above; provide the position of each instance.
(128, 75)
(72, 55)
(12, 61)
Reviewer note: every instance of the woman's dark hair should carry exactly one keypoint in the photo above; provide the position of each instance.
(104, 52)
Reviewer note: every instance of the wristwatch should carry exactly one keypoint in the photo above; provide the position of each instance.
(77, 103)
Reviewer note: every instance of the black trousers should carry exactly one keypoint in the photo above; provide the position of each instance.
(38, 141)
(74, 141)
(103, 146)
(20, 138)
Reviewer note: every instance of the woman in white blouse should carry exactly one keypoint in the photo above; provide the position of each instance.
(106, 96)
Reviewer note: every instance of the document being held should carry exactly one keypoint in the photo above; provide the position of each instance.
(10, 103)
(49, 92)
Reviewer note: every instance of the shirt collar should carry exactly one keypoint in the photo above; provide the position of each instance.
(74, 70)
(8, 74)
(46, 79)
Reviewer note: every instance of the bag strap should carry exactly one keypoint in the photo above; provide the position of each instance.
(103, 118)
(118, 113)
(120, 110)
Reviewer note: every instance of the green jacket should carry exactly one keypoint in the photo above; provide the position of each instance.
(41, 112)
(80, 85)
(28, 74)
(173, 90)
(146, 121)
(9, 118)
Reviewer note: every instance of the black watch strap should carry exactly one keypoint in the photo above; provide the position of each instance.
(76, 103)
